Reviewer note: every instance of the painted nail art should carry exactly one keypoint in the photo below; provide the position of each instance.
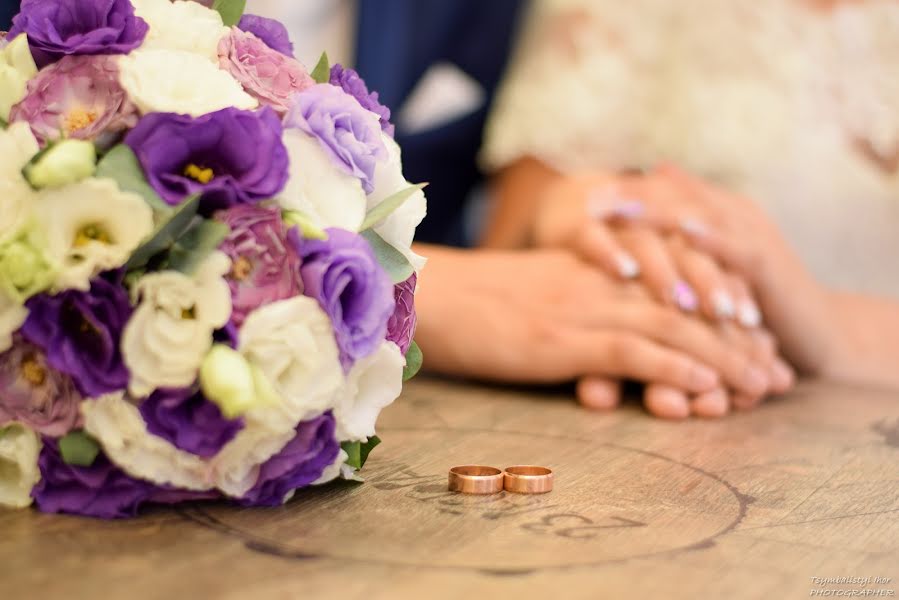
(723, 304)
(749, 315)
(685, 297)
(628, 268)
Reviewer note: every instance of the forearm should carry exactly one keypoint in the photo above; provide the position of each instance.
(517, 191)
(870, 329)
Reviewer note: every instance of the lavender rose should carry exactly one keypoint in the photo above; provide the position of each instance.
(78, 97)
(270, 31)
(80, 334)
(267, 75)
(57, 28)
(401, 325)
(34, 394)
(349, 134)
(230, 156)
(264, 267)
(344, 276)
(189, 421)
(298, 464)
(101, 490)
(349, 81)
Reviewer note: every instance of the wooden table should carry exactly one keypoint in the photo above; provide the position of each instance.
(752, 506)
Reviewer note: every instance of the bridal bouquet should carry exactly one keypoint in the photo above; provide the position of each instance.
(206, 276)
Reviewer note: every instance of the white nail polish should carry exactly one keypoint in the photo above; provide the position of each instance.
(693, 227)
(723, 304)
(628, 268)
(749, 315)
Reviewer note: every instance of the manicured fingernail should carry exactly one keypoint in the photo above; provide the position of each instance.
(684, 296)
(692, 226)
(627, 267)
(749, 314)
(703, 379)
(723, 303)
(755, 381)
(627, 209)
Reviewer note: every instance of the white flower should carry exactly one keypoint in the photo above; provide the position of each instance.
(333, 470)
(119, 427)
(171, 330)
(292, 342)
(17, 147)
(12, 316)
(181, 25)
(179, 82)
(89, 227)
(236, 468)
(325, 194)
(19, 472)
(398, 229)
(16, 68)
(374, 382)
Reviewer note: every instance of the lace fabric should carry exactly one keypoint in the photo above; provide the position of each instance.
(796, 107)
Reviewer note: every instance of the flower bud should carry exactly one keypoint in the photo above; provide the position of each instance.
(226, 379)
(16, 68)
(62, 163)
(24, 267)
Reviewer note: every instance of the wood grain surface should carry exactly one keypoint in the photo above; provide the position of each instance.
(752, 506)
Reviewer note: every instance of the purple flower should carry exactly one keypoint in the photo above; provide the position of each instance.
(57, 28)
(101, 490)
(401, 326)
(350, 82)
(34, 394)
(189, 421)
(343, 274)
(266, 74)
(298, 464)
(80, 333)
(264, 267)
(348, 133)
(230, 156)
(78, 97)
(270, 31)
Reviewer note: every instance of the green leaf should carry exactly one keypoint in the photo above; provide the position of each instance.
(358, 451)
(414, 359)
(231, 10)
(390, 204)
(166, 233)
(322, 71)
(121, 165)
(196, 244)
(79, 449)
(309, 230)
(390, 258)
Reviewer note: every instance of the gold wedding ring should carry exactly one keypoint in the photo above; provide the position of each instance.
(475, 479)
(528, 479)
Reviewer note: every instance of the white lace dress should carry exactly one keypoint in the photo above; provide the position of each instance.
(794, 105)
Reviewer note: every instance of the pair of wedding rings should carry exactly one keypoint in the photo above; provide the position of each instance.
(522, 479)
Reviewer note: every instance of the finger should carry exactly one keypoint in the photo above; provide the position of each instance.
(599, 393)
(747, 310)
(712, 285)
(597, 244)
(624, 355)
(666, 402)
(744, 402)
(711, 405)
(658, 270)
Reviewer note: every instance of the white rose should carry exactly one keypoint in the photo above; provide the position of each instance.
(171, 330)
(325, 194)
(19, 472)
(89, 227)
(119, 427)
(12, 316)
(398, 229)
(374, 382)
(181, 25)
(16, 68)
(292, 342)
(179, 82)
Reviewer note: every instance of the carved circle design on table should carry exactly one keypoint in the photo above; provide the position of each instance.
(658, 506)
